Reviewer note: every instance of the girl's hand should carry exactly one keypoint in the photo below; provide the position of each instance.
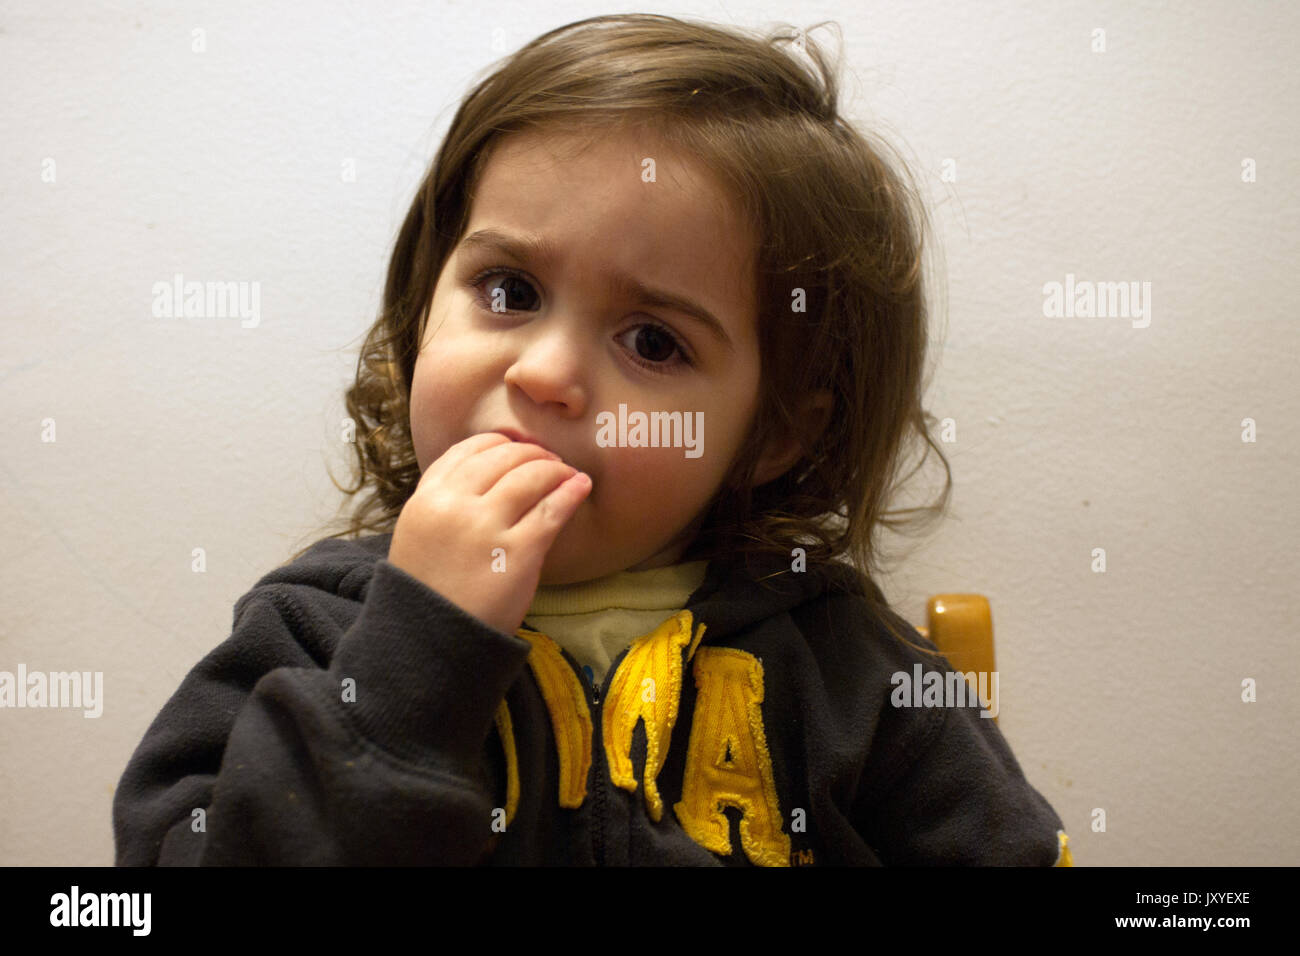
(487, 492)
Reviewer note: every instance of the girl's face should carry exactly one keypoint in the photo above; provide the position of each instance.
(577, 339)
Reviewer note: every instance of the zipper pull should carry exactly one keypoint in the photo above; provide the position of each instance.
(591, 679)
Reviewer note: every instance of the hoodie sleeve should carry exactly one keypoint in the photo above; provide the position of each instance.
(949, 792)
(272, 752)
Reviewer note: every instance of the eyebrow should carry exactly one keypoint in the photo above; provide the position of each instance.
(535, 248)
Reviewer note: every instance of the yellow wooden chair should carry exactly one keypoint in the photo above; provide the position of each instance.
(961, 626)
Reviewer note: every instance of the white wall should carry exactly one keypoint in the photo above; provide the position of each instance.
(1120, 690)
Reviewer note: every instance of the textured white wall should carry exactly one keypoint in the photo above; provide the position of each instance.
(1120, 690)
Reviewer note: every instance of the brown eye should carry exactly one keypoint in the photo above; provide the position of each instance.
(655, 347)
(654, 344)
(519, 294)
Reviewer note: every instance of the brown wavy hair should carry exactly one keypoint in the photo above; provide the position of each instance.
(839, 231)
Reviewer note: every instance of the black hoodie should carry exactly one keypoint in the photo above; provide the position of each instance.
(355, 716)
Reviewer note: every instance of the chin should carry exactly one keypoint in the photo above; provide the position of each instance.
(567, 572)
(572, 562)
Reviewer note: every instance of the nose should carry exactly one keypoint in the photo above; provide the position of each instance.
(549, 369)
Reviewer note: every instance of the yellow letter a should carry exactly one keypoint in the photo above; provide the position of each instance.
(727, 761)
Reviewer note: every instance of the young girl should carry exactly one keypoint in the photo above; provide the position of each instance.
(650, 353)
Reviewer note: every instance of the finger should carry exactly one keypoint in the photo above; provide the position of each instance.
(467, 448)
(480, 472)
(442, 467)
(520, 489)
(551, 514)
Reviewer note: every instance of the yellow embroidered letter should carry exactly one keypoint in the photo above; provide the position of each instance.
(727, 761)
(570, 718)
(506, 731)
(647, 686)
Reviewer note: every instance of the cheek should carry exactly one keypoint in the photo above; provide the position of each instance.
(438, 403)
(662, 480)
(451, 359)
(641, 477)
(424, 415)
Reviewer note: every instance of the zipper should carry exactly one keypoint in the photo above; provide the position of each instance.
(599, 772)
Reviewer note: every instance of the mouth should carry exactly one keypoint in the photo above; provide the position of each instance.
(518, 436)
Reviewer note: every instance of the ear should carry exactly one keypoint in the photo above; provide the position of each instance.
(781, 452)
